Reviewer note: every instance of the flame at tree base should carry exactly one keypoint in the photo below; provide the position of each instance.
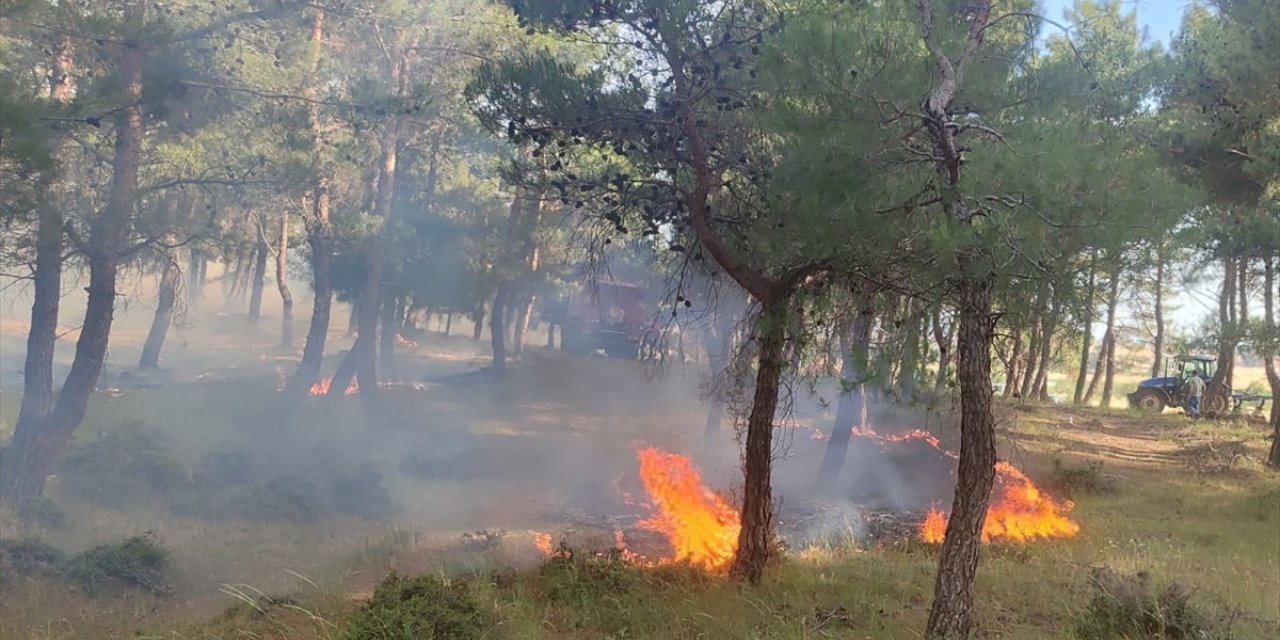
(322, 387)
(700, 525)
(1020, 513)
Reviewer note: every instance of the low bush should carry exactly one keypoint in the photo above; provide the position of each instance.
(122, 466)
(138, 561)
(1075, 481)
(423, 608)
(1125, 606)
(578, 578)
(27, 557)
(359, 491)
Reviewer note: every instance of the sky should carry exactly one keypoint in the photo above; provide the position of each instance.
(1160, 18)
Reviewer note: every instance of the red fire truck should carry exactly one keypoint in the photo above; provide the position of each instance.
(608, 315)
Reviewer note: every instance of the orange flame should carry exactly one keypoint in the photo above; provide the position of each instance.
(542, 541)
(1021, 514)
(322, 387)
(934, 528)
(699, 524)
(905, 436)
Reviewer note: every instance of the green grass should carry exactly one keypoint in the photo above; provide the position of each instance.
(1211, 530)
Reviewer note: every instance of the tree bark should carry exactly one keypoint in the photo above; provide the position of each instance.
(1011, 371)
(231, 279)
(259, 278)
(37, 371)
(390, 324)
(855, 352)
(165, 299)
(477, 322)
(35, 449)
(1033, 359)
(320, 239)
(755, 539)
(1039, 388)
(1269, 354)
(282, 283)
(497, 335)
(1157, 347)
(1217, 395)
(952, 613)
(1107, 356)
(1087, 338)
(944, 339)
(523, 312)
(196, 272)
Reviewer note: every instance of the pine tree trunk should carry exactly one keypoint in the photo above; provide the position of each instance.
(1040, 388)
(952, 613)
(390, 322)
(1157, 347)
(477, 320)
(1098, 367)
(319, 238)
(196, 272)
(1107, 353)
(1011, 376)
(282, 283)
(1087, 335)
(755, 539)
(523, 312)
(259, 280)
(1269, 354)
(497, 337)
(37, 368)
(855, 351)
(165, 299)
(37, 372)
(34, 451)
(943, 339)
(1217, 399)
(231, 279)
(1108, 384)
(1032, 360)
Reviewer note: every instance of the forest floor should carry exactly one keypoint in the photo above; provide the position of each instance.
(1187, 504)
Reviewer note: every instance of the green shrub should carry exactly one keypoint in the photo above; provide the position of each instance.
(423, 608)
(28, 556)
(1130, 607)
(138, 561)
(120, 467)
(1072, 481)
(579, 579)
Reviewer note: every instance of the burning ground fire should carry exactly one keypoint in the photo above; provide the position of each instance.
(322, 387)
(1019, 512)
(702, 527)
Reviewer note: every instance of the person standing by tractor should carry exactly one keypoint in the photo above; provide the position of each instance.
(1195, 391)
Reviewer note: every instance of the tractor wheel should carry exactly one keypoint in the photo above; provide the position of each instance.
(1215, 404)
(1149, 401)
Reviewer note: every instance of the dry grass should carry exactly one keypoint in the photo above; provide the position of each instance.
(1190, 504)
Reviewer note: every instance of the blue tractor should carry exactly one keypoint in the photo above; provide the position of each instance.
(1169, 390)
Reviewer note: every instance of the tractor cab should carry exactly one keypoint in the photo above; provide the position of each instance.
(1187, 366)
(1154, 394)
